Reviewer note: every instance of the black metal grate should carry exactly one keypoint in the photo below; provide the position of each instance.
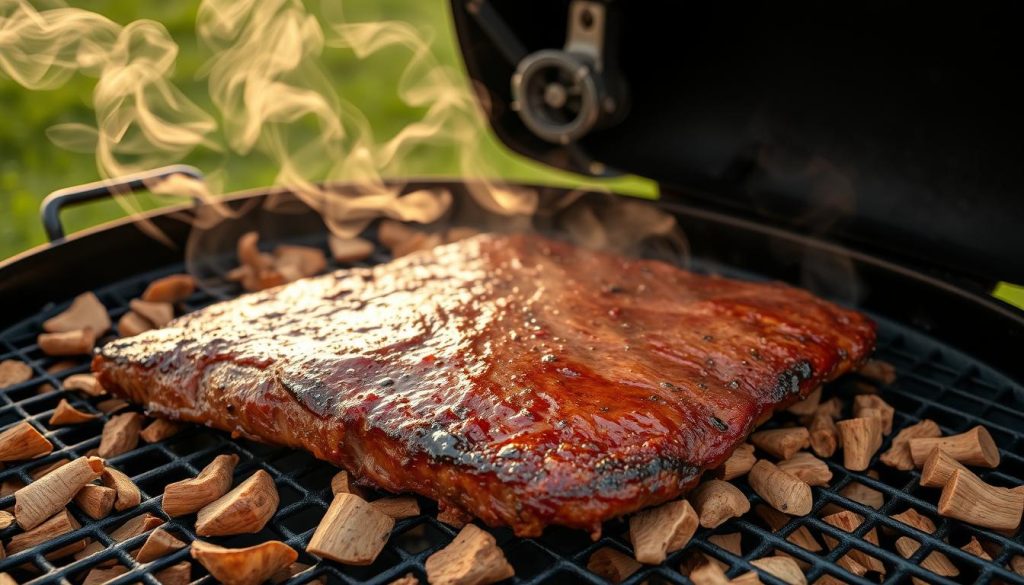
(933, 381)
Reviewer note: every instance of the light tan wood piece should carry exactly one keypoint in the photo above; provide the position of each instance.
(157, 314)
(938, 468)
(782, 443)
(6, 519)
(42, 470)
(709, 574)
(717, 501)
(191, 495)
(473, 557)
(730, 542)
(342, 483)
(936, 562)
(130, 529)
(96, 500)
(407, 579)
(295, 262)
(861, 438)
(65, 414)
(862, 494)
(966, 497)
(393, 234)
(170, 289)
(824, 433)
(807, 406)
(85, 312)
(78, 342)
(912, 517)
(349, 250)
(807, 468)
(611, 564)
(160, 429)
(128, 494)
(779, 489)
(879, 371)
(898, 456)
(112, 405)
(120, 434)
(100, 575)
(783, 568)
(14, 372)
(974, 447)
(59, 524)
(160, 543)
(398, 507)
(245, 509)
(776, 520)
(21, 442)
(974, 547)
(48, 495)
(352, 532)
(131, 324)
(84, 383)
(176, 574)
(863, 402)
(244, 566)
(655, 532)
(454, 517)
(848, 521)
(738, 464)
(1017, 564)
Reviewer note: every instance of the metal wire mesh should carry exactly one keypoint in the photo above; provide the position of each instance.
(933, 381)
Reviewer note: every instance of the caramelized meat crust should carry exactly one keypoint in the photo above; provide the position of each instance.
(523, 380)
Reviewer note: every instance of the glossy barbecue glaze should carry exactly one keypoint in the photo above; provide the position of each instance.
(524, 380)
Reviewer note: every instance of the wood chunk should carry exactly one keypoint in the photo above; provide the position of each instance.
(22, 441)
(610, 564)
(938, 468)
(473, 557)
(782, 568)
(128, 494)
(295, 262)
(861, 438)
(244, 566)
(191, 495)
(974, 447)
(6, 579)
(393, 234)
(807, 468)
(245, 509)
(776, 520)
(655, 532)
(848, 521)
(717, 501)
(176, 574)
(782, 443)
(95, 500)
(966, 497)
(407, 579)
(912, 517)
(159, 544)
(292, 570)
(78, 342)
(48, 495)
(45, 469)
(14, 372)
(130, 529)
(748, 578)
(1017, 564)
(738, 464)
(6, 519)
(862, 494)
(352, 532)
(59, 524)
(65, 414)
(100, 575)
(709, 574)
(349, 250)
(824, 434)
(85, 312)
(974, 547)
(898, 456)
(779, 489)
(936, 562)
(879, 371)
(160, 429)
(398, 507)
(170, 289)
(730, 542)
(120, 434)
(85, 383)
(807, 406)
(157, 314)
(454, 517)
(863, 402)
(342, 483)
(111, 405)
(131, 324)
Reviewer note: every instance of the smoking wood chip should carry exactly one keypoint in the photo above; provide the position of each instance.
(807, 468)
(610, 564)
(938, 468)
(130, 529)
(472, 558)
(95, 500)
(709, 574)
(879, 371)
(86, 383)
(779, 489)
(1017, 564)
(191, 495)
(170, 289)
(295, 262)
(974, 447)
(352, 532)
(160, 429)
(936, 562)
(716, 501)
(730, 542)
(392, 233)
(6, 579)
(738, 464)
(120, 434)
(176, 574)
(824, 435)
(861, 438)
(128, 494)
(14, 372)
(898, 456)
(59, 524)
(966, 497)
(807, 406)
(848, 521)
(974, 547)
(245, 509)
(6, 519)
(48, 495)
(244, 566)
(912, 517)
(655, 532)
(77, 342)
(85, 312)
(776, 520)
(782, 568)
(157, 314)
(44, 469)
(131, 324)
(65, 414)
(873, 401)
(22, 441)
(407, 579)
(100, 575)
(159, 544)
(348, 250)
(454, 517)
(782, 443)
(862, 494)
(342, 483)
(398, 507)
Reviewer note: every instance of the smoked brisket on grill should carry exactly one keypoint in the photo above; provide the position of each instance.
(523, 380)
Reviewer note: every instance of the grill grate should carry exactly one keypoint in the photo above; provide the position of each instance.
(933, 381)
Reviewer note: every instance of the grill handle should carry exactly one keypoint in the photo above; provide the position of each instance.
(71, 196)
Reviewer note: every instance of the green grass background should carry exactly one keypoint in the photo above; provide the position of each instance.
(31, 166)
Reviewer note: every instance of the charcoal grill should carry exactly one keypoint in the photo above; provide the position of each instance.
(956, 350)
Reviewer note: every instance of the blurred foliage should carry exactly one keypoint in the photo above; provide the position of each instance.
(31, 166)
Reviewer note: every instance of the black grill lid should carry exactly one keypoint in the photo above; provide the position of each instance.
(893, 127)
